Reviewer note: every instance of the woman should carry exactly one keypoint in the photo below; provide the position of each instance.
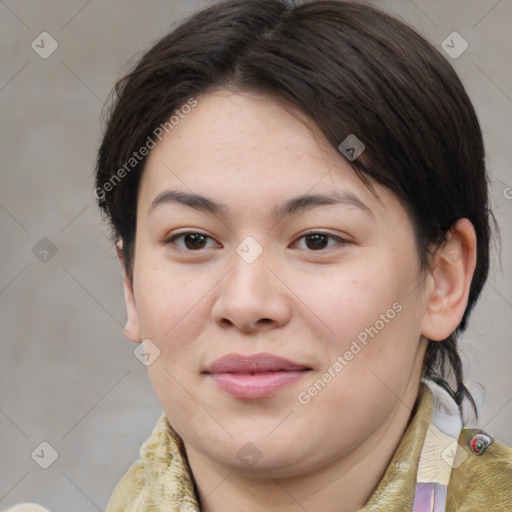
(299, 201)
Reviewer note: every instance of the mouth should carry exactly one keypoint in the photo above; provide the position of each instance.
(255, 376)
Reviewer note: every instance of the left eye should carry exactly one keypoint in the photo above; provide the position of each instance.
(317, 241)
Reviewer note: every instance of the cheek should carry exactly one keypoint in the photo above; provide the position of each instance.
(373, 320)
(172, 308)
(171, 302)
(348, 299)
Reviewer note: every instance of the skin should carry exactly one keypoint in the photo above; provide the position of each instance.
(295, 300)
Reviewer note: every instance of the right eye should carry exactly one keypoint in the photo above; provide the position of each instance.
(192, 241)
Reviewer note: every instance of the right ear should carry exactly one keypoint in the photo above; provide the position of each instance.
(132, 328)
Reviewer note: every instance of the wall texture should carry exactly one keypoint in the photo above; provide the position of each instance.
(68, 376)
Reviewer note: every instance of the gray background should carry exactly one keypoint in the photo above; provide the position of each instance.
(68, 375)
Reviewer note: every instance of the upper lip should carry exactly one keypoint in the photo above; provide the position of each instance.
(239, 363)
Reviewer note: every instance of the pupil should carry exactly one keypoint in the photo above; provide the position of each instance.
(197, 239)
(317, 240)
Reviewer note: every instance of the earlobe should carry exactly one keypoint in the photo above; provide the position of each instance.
(132, 328)
(450, 279)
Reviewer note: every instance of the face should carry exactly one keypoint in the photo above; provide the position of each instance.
(286, 328)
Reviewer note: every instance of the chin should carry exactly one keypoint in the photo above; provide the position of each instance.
(260, 456)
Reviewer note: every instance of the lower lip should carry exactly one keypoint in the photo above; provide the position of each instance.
(259, 385)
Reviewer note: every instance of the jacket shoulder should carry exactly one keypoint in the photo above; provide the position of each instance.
(481, 477)
(128, 492)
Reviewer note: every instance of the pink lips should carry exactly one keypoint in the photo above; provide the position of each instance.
(256, 376)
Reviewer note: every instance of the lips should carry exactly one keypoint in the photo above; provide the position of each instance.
(255, 376)
(235, 363)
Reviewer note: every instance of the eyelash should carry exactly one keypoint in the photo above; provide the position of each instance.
(328, 235)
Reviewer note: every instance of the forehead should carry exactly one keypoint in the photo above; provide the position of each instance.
(247, 149)
(240, 129)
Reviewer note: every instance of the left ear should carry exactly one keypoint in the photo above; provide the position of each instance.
(449, 282)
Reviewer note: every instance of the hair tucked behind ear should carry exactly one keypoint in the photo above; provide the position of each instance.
(444, 355)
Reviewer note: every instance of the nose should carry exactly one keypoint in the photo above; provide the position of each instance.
(251, 297)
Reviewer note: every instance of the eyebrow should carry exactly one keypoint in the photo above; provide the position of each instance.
(292, 206)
